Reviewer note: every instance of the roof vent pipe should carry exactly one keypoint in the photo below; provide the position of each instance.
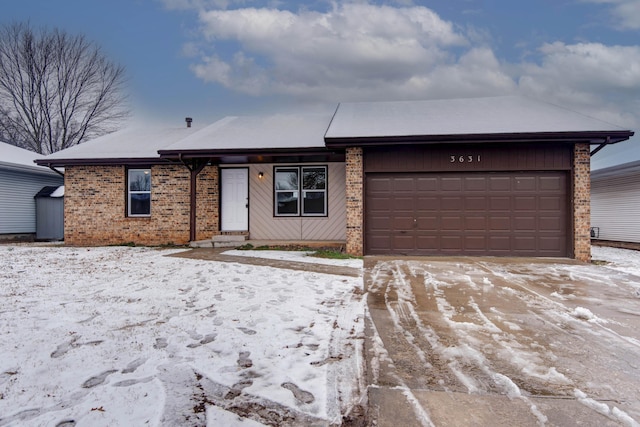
(188, 120)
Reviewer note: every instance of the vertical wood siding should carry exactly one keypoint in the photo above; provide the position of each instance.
(615, 207)
(17, 205)
(263, 225)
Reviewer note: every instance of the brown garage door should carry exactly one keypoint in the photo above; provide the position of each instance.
(478, 213)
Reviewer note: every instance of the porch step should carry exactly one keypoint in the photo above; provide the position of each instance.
(228, 240)
(201, 244)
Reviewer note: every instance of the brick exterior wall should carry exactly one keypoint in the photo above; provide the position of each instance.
(355, 201)
(207, 204)
(95, 207)
(582, 202)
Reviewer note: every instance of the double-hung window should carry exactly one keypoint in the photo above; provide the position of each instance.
(300, 191)
(139, 192)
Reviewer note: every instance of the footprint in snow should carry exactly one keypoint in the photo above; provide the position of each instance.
(237, 388)
(127, 383)
(206, 340)
(301, 396)
(63, 348)
(160, 343)
(132, 366)
(66, 423)
(98, 379)
(218, 297)
(243, 359)
(254, 307)
(247, 331)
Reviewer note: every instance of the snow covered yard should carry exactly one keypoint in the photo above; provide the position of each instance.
(129, 336)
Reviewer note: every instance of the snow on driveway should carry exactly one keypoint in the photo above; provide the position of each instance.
(559, 339)
(128, 336)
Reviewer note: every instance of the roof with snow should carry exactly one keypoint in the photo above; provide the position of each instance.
(463, 120)
(288, 137)
(281, 131)
(16, 158)
(134, 144)
(625, 169)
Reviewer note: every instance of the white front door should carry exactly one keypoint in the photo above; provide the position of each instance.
(234, 200)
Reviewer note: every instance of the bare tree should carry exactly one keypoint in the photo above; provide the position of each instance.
(56, 90)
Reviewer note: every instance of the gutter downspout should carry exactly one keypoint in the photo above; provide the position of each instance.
(194, 169)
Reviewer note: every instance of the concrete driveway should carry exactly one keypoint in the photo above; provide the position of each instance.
(501, 342)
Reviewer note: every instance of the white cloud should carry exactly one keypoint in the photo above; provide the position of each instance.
(603, 81)
(353, 51)
(359, 51)
(626, 13)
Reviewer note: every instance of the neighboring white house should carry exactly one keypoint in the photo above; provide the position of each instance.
(615, 203)
(20, 180)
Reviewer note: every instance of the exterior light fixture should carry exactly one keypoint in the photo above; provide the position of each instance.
(260, 175)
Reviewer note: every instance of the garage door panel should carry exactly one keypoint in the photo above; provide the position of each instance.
(379, 223)
(475, 184)
(550, 224)
(379, 204)
(403, 203)
(499, 183)
(429, 243)
(449, 203)
(403, 185)
(451, 184)
(553, 203)
(524, 203)
(476, 213)
(452, 223)
(551, 183)
(497, 223)
(403, 223)
(524, 223)
(475, 243)
(451, 243)
(427, 203)
(427, 223)
(379, 184)
(475, 203)
(524, 244)
(475, 223)
(427, 184)
(404, 242)
(500, 244)
(526, 183)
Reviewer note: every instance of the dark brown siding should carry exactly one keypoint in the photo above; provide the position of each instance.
(468, 200)
(496, 157)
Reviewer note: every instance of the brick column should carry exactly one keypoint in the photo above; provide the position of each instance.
(582, 202)
(355, 202)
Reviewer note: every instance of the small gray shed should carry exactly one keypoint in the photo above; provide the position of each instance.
(20, 179)
(50, 213)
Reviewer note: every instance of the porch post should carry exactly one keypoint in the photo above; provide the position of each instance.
(581, 202)
(355, 201)
(194, 169)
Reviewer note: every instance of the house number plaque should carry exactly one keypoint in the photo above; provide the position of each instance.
(465, 159)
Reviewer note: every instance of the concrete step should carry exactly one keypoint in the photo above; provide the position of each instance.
(201, 244)
(229, 238)
(233, 244)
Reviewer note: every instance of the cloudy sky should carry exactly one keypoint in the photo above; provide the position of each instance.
(211, 58)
